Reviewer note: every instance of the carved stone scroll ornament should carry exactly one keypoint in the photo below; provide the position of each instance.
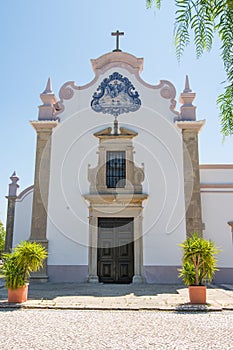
(66, 93)
(138, 178)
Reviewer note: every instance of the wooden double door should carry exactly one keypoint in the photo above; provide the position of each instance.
(115, 250)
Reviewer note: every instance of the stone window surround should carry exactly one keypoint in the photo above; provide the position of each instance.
(119, 142)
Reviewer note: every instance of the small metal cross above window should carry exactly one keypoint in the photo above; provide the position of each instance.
(117, 34)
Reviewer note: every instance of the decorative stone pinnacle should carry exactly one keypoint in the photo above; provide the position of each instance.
(115, 126)
(13, 186)
(187, 86)
(14, 178)
(47, 110)
(48, 89)
(187, 110)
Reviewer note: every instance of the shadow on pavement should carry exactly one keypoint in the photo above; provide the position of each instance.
(52, 290)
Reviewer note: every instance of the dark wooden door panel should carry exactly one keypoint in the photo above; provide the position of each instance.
(106, 272)
(124, 249)
(124, 272)
(106, 251)
(115, 250)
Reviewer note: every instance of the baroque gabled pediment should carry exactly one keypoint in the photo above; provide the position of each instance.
(125, 131)
(116, 94)
(107, 133)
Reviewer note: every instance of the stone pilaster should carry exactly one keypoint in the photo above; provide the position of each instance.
(41, 187)
(138, 251)
(92, 255)
(190, 130)
(12, 196)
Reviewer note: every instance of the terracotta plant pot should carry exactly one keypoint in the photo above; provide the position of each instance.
(197, 294)
(18, 295)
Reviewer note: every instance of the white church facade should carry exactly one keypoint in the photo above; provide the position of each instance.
(118, 184)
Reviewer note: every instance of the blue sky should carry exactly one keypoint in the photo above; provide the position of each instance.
(57, 39)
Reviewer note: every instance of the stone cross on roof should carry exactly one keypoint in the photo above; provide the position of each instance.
(117, 34)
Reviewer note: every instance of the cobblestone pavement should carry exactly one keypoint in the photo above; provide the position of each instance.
(97, 330)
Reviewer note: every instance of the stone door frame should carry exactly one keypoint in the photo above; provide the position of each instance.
(112, 211)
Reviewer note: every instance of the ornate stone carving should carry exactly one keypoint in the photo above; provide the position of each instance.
(138, 178)
(115, 95)
(166, 93)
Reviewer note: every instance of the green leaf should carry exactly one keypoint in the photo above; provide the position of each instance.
(225, 102)
(156, 3)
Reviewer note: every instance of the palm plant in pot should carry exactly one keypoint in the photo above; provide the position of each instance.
(198, 267)
(26, 257)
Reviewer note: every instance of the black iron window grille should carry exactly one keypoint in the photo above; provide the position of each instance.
(115, 169)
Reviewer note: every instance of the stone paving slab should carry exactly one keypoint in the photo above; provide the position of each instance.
(119, 297)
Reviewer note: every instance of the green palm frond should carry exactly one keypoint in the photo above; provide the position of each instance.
(197, 17)
(225, 102)
(156, 3)
(150, 3)
(182, 36)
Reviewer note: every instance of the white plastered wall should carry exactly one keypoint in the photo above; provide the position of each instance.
(23, 217)
(214, 174)
(217, 209)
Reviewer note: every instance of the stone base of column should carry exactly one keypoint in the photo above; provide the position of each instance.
(39, 278)
(41, 275)
(138, 279)
(93, 279)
